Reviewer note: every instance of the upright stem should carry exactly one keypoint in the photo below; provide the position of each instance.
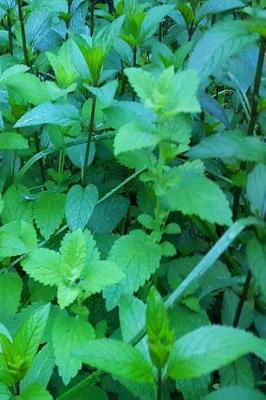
(23, 34)
(88, 147)
(242, 299)
(159, 385)
(92, 9)
(254, 114)
(38, 149)
(10, 37)
(134, 65)
(257, 82)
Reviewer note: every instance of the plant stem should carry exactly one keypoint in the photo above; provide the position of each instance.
(88, 147)
(242, 299)
(253, 116)
(134, 65)
(38, 149)
(10, 37)
(23, 34)
(92, 9)
(159, 385)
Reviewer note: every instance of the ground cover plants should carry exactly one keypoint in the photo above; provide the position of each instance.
(132, 200)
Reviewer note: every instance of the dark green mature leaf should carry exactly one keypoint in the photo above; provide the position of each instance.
(50, 113)
(230, 145)
(238, 373)
(107, 215)
(10, 289)
(216, 6)
(223, 40)
(49, 212)
(256, 190)
(80, 204)
(203, 351)
(41, 369)
(117, 358)
(190, 192)
(12, 141)
(236, 393)
(17, 238)
(76, 333)
(138, 257)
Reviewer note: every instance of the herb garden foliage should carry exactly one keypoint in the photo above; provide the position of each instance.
(133, 200)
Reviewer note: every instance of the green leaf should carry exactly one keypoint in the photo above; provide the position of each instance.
(107, 214)
(236, 393)
(35, 392)
(5, 394)
(152, 20)
(194, 389)
(62, 64)
(29, 88)
(117, 358)
(10, 289)
(76, 333)
(230, 145)
(138, 257)
(216, 6)
(223, 40)
(170, 94)
(41, 369)
(132, 137)
(80, 204)
(17, 238)
(190, 192)
(160, 335)
(101, 274)
(12, 71)
(256, 190)
(27, 341)
(16, 205)
(203, 350)
(238, 373)
(44, 266)
(50, 113)
(12, 141)
(132, 316)
(49, 211)
(256, 256)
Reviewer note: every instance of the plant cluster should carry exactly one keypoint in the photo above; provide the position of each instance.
(132, 200)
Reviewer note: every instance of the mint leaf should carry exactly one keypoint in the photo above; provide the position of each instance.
(132, 137)
(10, 289)
(190, 192)
(202, 351)
(12, 141)
(117, 358)
(256, 190)
(80, 204)
(76, 334)
(138, 257)
(17, 238)
(49, 212)
(49, 113)
(35, 392)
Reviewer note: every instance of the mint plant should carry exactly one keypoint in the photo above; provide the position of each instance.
(132, 200)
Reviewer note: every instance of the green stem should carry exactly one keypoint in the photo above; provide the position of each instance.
(89, 141)
(253, 116)
(10, 36)
(38, 149)
(134, 65)
(159, 385)
(61, 161)
(242, 299)
(92, 20)
(23, 34)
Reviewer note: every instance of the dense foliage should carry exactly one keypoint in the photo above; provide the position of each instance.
(132, 200)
